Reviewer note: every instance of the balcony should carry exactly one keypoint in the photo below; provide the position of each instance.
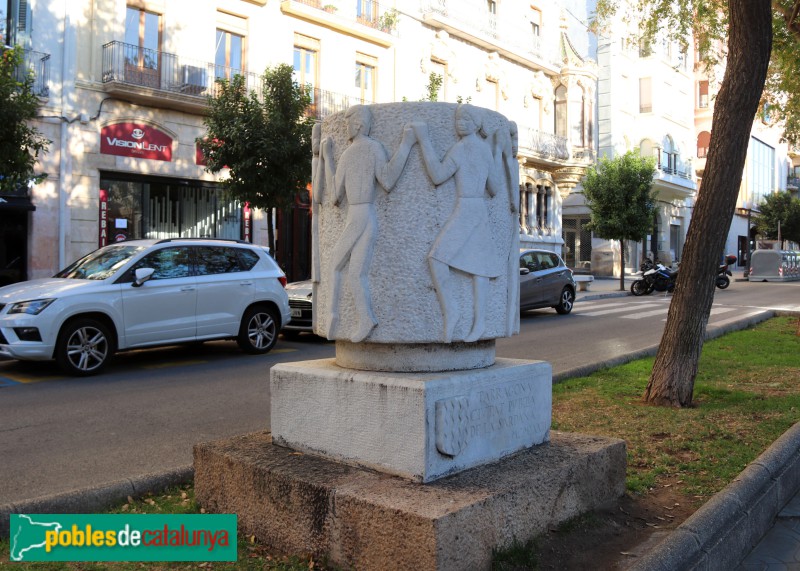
(363, 19)
(793, 183)
(165, 80)
(37, 65)
(324, 103)
(543, 145)
(511, 38)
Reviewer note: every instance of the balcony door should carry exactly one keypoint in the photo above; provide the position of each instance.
(142, 47)
(228, 55)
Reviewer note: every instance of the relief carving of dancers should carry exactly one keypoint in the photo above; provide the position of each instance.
(465, 243)
(362, 165)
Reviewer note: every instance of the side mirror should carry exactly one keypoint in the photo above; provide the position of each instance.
(524, 271)
(142, 275)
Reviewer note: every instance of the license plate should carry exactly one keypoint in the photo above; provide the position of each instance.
(297, 312)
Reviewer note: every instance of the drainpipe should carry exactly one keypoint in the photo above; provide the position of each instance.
(65, 158)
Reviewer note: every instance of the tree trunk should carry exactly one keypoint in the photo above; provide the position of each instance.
(749, 44)
(622, 265)
(270, 233)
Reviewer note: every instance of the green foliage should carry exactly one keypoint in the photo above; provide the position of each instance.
(620, 196)
(432, 89)
(707, 21)
(265, 143)
(388, 19)
(779, 207)
(20, 144)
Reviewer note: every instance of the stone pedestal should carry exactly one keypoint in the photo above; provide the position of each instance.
(366, 520)
(420, 426)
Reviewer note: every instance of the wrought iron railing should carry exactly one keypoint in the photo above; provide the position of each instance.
(474, 17)
(37, 65)
(543, 144)
(793, 181)
(366, 12)
(324, 103)
(136, 66)
(675, 171)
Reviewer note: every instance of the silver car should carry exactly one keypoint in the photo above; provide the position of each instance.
(545, 281)
(300, 307)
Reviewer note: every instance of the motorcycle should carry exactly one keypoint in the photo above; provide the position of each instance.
(723, 280)
(655, 277)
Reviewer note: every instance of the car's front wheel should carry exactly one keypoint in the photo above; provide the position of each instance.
(84, 347)
(259, 330)
(566, 301)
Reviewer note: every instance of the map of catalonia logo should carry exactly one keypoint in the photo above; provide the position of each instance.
(122, 537)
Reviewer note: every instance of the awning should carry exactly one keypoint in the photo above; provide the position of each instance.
(16, 203)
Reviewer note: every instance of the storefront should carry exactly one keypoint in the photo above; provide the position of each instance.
(14, 218)
(133, 207)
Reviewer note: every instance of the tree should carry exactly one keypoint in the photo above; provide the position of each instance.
(747, 25)
(621, 200)
(20, 143)
(265, 143)
(779, 217)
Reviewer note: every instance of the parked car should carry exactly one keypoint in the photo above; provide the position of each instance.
(145, 293)
(545, 281)
(300, 304)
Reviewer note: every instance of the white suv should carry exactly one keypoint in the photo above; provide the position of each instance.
(144, 293)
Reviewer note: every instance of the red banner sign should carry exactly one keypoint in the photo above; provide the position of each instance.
(103, 218)
(135, 140)
(247, 223)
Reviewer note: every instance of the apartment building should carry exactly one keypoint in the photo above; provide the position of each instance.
(771, 164)
(125, 87)
(645, 104)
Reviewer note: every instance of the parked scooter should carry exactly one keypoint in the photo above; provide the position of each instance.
(723, 273)
(655, 277)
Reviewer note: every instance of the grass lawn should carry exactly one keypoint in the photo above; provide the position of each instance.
(746, 395)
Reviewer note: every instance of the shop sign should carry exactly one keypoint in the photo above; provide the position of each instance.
(247, 226)
(103, 218)
(135, 140)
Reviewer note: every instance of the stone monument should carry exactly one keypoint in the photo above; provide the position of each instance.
(416, 273)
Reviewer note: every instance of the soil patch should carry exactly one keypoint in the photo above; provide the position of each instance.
(613, 538)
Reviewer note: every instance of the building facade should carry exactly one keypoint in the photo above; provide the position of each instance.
(645, 104)
(771, 165)
(127, 83)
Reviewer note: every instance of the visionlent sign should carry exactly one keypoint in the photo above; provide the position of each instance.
(135, 140)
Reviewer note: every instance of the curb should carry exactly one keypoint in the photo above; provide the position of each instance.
(726, 528)
(96, 498)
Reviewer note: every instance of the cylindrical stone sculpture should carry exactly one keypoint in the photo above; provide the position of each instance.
(418, 236)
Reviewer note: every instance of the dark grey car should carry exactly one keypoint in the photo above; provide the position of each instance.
(545, 281)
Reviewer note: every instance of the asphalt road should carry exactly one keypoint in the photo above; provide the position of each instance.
(144, 415)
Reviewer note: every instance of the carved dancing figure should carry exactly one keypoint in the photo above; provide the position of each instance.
(506, 142)
(464, 243)
(363, 163)
(317, 189)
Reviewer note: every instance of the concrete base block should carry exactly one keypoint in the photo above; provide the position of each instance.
(361, 519)
(420, 426)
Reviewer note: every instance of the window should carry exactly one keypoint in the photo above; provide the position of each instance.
(228, 54)
(168, 263)
(561, 111)
(645, 48)
(577, 117)
(536, 22)
(15, 30)
(142, 49)
(306, 63)
(492, 6)
(216, 260)
(702, 94)
(365, 78)
(703, 140)
(760, 169)
(367, 12)
(645, 95)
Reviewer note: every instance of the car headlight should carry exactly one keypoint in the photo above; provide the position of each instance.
(32, 307)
